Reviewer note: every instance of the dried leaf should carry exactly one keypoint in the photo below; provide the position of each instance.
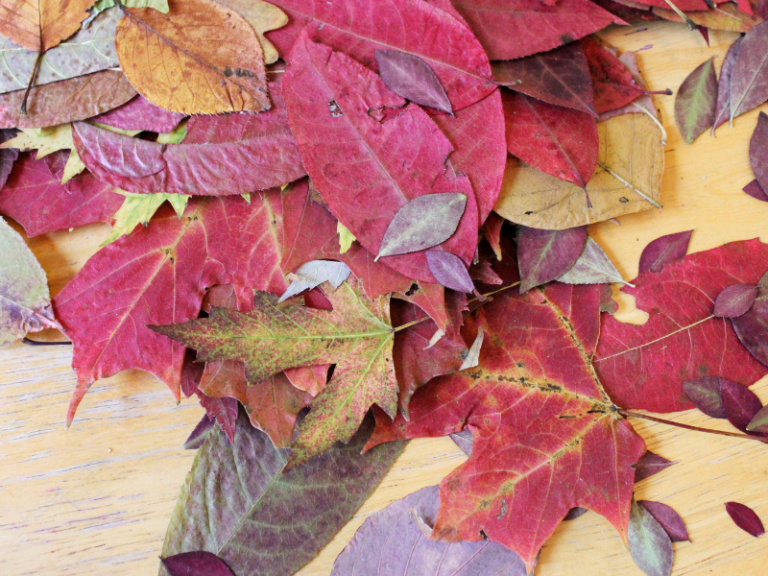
(264, 502)
(545, 255)
(723, 107)
(263, 17)
(41, 24)
(170, 60)
(745, 518)
(663, 250)
(473, 356)
(758, 150)
(696, 101)
(704, 392)
(412, 78)
(649, 465)
(756, 191)
(345, 238)
(759, 422)
(200, 433)
(314, 273)
(735, 300)
(196, 564)
(140, 114)
(649, 544)
(391, 543)
(630, 164)
(752, 327)
(749, 80)
(449, 270)
(44, 140)
(138, 209)
(739, 403)
(613, 83)
(669, 519)
(727, 16)
(592, 267)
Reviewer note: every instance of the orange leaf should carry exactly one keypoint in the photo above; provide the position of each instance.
(41, 24)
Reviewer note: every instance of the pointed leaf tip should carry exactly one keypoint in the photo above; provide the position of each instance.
(704, 392)
(449, 271)
(649, 544)
(740, 403)
(735, 301)
(669, 519)
(649, 464)
(196, 564)
(412, 78)
(664, 250)
(544, 255)
(745, 518)
(696, 101)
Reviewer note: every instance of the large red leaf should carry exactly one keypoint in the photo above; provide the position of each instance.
(222, 154)
(357, 157)
(546, 436)
(510, 29)
(158, 275)
(35, 197)
(645, 366)
(360, 27)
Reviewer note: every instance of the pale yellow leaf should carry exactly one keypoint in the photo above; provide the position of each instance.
(139, 209)
(44, 140)
(73, 167)
(345, 237)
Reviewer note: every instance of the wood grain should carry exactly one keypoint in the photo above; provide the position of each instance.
(95, 500)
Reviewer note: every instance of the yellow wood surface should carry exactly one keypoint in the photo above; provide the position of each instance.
(95, 500)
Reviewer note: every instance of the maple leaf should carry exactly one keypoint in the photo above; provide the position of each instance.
(40, 25)
(645, 366)
(213, 49)
(546, 436)
(356, 161)
(221, 155)
(158, 275)
(357, 335)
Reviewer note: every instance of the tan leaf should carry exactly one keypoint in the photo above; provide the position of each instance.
(627, 180)
(263, 17)
(200, 58)
(40, 25)
(726, 17)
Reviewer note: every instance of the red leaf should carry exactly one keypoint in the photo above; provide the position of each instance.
(359, 170)
(510, 29)
(449, 270)
(745, 518)
(140, 114)
(559, 141)
(222, 154)
(705, 394)
(756, 191)
(158, 275)
(432, 299)
(224, 411)
(492, 233)
(560, 77)
(749, 87)
(360, 27)
(758, 151)
(645, 366)
(525, 405)
(612, 82)
(196, 564)
(35, 197)
(664, 249)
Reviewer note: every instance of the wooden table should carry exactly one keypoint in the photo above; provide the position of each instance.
(95, 500)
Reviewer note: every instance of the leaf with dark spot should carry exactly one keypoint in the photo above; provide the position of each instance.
(195, 564)
(669, 519)
(545, 255)
(650, 464)
(745, 518)
(704, 392)
(449, 270)
(663, 250)
(723, 107)
(749, 79)
(696, 100)
(739, 403)
(735, 300)
(649, 544)
(412, 78)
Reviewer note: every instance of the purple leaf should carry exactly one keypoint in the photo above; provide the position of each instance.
(412, 78)
(140, 114)
(749, 79)
(723, 108)
(649, 464)
(735, 301)
(756, 191)
(649, 544)
(196, 564)
(669, 519)
(423, 223)
(574, 513)
(740, 403)
(8, 156)
(394, 542)
(449, 271)
(200, 433)
(705, 394)
(745, 518)
(752, 327)
(758, 150)
(696, 100)
(545, 255)
(663, 250)
(463, 440)
(759, 422)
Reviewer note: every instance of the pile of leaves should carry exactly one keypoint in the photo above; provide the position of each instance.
(322, 210)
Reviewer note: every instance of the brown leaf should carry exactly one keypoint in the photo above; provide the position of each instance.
(627, 180)
(200, 58)
(263, 17)
(41, 24)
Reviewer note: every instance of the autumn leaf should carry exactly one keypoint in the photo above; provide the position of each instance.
(668, 518)
(630, 163)
(516, 474)
(359, 169)
(665, 249)
(302, 508)
(696, 101)
(544, 255)
(758, 150)
(745, 518)
(140, 114)
(138, 209)
(25, 305)
(592, 267)
(613, 83)
(412, 78)
(393, 542)
(749, 87)
(669, 346)
(195, 563)
(200, 58)
(725, 17)
(752, 326)
(221, 155)
(263, 17)
(723, 106)
(8, 156)
(41, 24)
(649, 543)
(314, 273)
(649, 465)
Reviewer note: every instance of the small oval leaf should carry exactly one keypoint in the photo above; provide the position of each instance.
(735, 300)
(740, 403)
(663, 250)
(422, 223)
(745, 518)
(696, 101)
(544, 255)
(196, 564)
(649, 544)
(649, 464)
(412, 78)
(669, 519)
(705, 395)
(449, 271)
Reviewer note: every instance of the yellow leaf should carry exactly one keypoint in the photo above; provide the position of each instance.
(40, 25)
(73, 167)
(139, 209)
(627, 180)
(200, 58)
(263, 17)
(175, 136)
(44, 140)
(345, 237)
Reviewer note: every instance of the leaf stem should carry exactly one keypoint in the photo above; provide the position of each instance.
(691, 24)
(642, 194)
(30, 83)
(629, 414)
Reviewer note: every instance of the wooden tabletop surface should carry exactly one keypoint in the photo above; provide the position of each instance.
(95, 500)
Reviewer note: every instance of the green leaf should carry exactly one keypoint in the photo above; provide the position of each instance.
(25, 304)
(139, 209)
(345, 237)
(237, 504)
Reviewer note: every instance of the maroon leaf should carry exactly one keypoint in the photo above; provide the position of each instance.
(735, 300)
(663, 250)
(758, 150)
(412, 78)
(756, 191)
(140, 114)
(545, 255)
(200, 433)
(510, 29)
(749, 79)
(449, 270)
(559, 141)
(196, 564)
(669, 519)
(560, 77)
(574, 513)
(723, 108)
(612, 82)
(650, 464)
(740, 404)
(222, 154)
(704, 392)
(696, 100)
(752, 327)
(8, 156)
(35, 197)
(745, 518)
